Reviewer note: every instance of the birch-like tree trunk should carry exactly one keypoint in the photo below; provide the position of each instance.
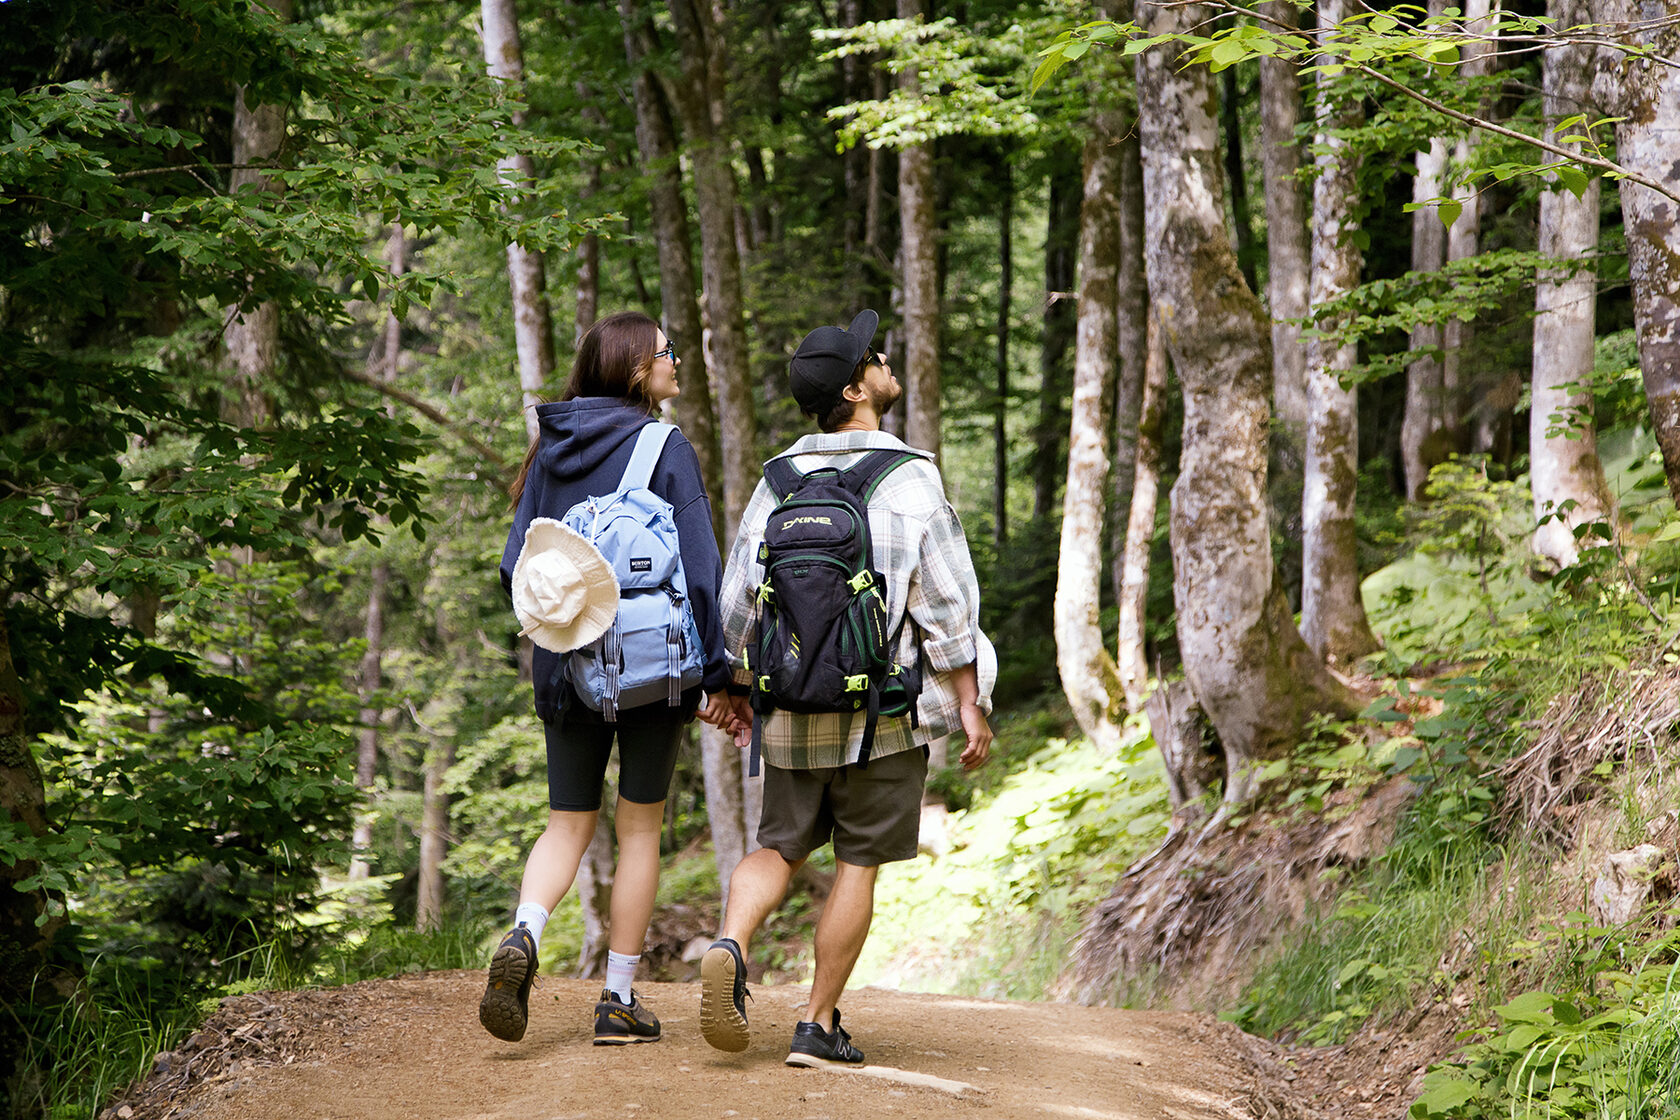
(700, 98)
(1132, 659)
(1563, 443)
(1647, 140)
(533, 328)
(919, 233)
(1426, 430)
(1246, 662)
(1332, 615)
(373, 631)
(1088, 674)
(1132, 342)
(253, 334)
(1464, 241)
(1000, 406)
(587, 305)
(1287, 255)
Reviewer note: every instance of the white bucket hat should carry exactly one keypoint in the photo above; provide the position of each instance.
(564, 592)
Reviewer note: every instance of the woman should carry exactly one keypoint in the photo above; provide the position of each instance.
(624, 369)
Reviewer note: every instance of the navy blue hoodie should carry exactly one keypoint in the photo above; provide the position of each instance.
(583, 447)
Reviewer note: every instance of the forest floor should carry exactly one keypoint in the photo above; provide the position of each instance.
(412, 1047)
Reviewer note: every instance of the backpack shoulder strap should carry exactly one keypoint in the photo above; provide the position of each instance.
(782, 476)
(650, 445)
(863, 476)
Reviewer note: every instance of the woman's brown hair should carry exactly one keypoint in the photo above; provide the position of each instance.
(614, 359)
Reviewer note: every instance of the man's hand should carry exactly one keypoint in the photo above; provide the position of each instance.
(979, 733)
(740, 722)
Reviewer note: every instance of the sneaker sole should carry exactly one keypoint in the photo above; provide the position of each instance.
(811, 1061)
(721, 1025)
(623, 1039)
(499, 1010)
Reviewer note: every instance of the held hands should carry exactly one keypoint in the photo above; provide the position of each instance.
(730, 714)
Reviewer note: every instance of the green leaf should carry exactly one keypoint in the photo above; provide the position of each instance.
(1449, 209)
(1573, 178)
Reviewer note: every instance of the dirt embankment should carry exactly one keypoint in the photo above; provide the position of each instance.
(412, 1048)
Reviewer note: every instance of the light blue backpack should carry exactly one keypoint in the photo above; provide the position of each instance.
(652, 650)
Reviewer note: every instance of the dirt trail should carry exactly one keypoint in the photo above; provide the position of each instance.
(411, 1048)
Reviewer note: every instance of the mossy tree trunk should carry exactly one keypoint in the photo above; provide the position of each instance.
(1246, 663)
(1649, 103)
(918, 239)
(1332, 616)
(1287, 255)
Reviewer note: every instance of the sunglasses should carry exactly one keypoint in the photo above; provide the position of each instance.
(670, 351)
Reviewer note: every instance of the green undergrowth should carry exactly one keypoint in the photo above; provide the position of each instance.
(1045, 836)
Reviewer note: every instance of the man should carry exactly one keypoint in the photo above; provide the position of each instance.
(813, 790)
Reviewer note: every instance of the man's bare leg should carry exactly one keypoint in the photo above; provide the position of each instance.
(841, 932)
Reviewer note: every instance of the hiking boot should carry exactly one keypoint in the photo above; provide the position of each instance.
(507, 996)
(723, 996)
(617, 1024)
(814, 1047)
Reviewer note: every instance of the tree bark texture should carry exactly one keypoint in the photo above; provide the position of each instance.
(434, 835)
(1427, 430)
(533, 328)
(1646, 141)
(700, 102)
(1287, 256)
(732, 828)
(1061, 258)
(1245, 660)
(253, 334)
(586, 308)
(1089, 677)
(1563, 443)
(919, 236)
(594, 887)
(1132, 657)
(1132, 344)
(1332, 615)
(1464, 242)
(656, 144)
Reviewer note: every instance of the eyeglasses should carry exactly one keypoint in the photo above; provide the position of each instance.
(670, 351)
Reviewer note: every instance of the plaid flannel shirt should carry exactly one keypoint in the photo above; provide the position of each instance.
(923, 557)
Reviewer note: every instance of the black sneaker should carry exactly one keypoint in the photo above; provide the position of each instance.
(814, 1047)
(723, 996)
(617, 1024)
(507, 996)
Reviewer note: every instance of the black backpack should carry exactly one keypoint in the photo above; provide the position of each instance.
(821, 641)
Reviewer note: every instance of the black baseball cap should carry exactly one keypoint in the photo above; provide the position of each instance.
(822, 366)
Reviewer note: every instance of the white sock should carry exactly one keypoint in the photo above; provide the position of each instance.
(533, 918)
(620, 971)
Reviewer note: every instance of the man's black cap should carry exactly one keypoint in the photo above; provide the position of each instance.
(822, 366)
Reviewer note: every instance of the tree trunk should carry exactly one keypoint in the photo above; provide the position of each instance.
(1464, 242)
(1000, 407)
(533, 330)
(700, 101)
(586, 308)
(1563, 443)
(657, 145)
(1287, 255)
(1332, 614)
(918, 232)
(594, 888)
(1132, 341)
(1133, 657)
(434, 836)
(1649, 102)
(1088, 674)
(253, 334)
(1061, 256)
(1427, 433)
(733, 829)
(1244, 658)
